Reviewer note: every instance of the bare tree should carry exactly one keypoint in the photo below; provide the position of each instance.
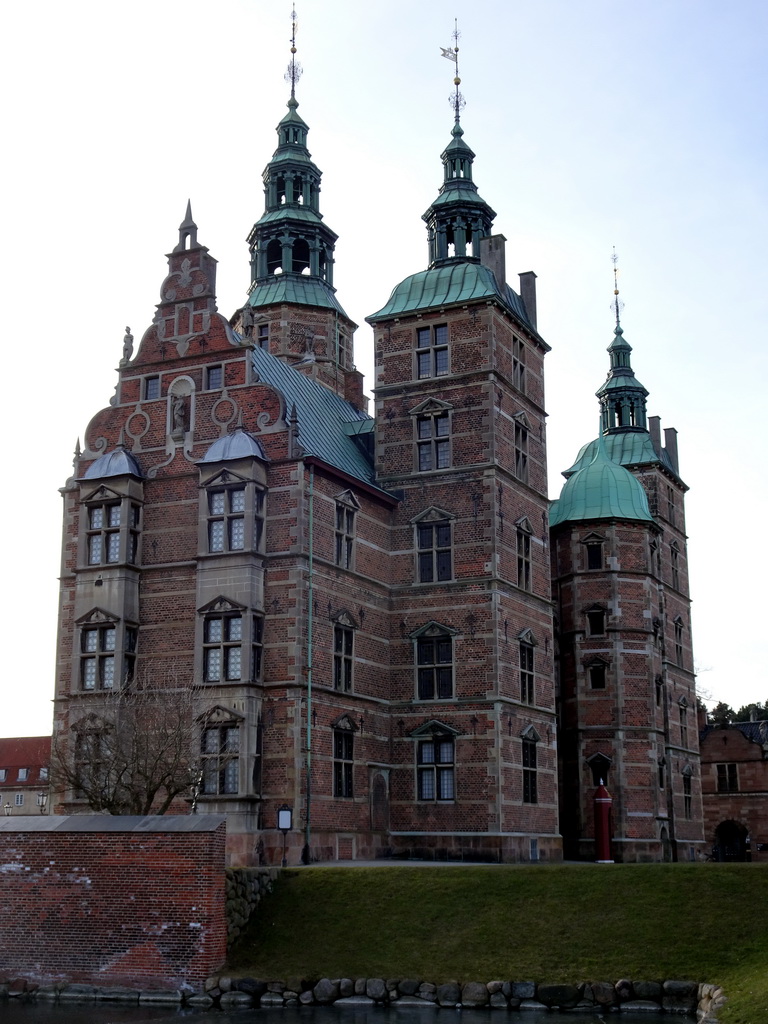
(133, 751)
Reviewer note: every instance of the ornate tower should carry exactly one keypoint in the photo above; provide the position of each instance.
(292, 309)
(460, 438)
(627, 701)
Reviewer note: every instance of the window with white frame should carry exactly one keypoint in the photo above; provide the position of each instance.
(222, 648)
(435, 768)
(98, 645)
(3, 772)
(107, 523)
(23, 774)
(220, 758)
(432, 351)
(226, 519)
(19, 800)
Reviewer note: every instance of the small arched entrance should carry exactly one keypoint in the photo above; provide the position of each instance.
(731, 841)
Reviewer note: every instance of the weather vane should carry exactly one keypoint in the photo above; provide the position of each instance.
(616, 305)
(456, 99)
(293, 74)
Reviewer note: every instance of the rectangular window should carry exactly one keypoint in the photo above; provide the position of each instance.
(2, 774)
(530, 793)
(683, 725)
(434, 656)
(678, 642)
(97, 657)
(435, 769)
(151, 388)
(44, 774)
(432, 351)
(257, 648)
(222, 650)
(594, 556)
(19, 800)
(226, 519)
(518, 364)
(687, 798)
(597, 676)
(596, 621)
(521, 452)
(343, 758)
(671, 505)
(23, 774)
(220, 748)
(345, 536)
(262, 335)
(433, 442)
(214, 377)
(674, 558)
(434, 552)
(342, 658)
(527, 694)
(523, 559)
(727, 778)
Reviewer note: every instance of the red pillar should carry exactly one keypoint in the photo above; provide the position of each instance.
(603, 802)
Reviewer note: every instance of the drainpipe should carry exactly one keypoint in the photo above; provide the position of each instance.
(305, 857)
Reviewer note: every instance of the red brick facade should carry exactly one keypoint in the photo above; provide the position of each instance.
(363, 606)
(98, 901)
(734, 778)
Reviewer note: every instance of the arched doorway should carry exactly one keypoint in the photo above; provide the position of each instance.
(731, 841)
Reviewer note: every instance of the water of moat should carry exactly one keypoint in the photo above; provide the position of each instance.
(13, 1012)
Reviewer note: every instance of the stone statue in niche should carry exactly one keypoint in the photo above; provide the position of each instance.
(178, 415)
(127, 346)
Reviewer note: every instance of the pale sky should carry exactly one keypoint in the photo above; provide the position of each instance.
(595, 124)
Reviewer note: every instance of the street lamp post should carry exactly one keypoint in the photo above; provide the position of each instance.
(284, 823)
(7, 808)
(42, 800)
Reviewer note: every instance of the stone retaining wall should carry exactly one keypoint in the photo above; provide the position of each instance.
(674, 997)
(245, 888)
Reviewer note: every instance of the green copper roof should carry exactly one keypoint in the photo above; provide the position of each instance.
(454, 282)
(614, 383)
(325, 420)
(297, 288)
(601, 489)
(627, 448)
(298, 213)
(457, 194)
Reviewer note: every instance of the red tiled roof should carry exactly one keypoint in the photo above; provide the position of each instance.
(32, 752)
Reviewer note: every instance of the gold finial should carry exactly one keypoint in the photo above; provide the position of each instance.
(451, 53)
(293, 74)
(617, 305)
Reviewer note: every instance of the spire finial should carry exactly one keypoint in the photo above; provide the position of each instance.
(451, 53)
(617, 305)
(293, 74)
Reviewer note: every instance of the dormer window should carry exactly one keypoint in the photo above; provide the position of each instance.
(110, 524)
(226, 519)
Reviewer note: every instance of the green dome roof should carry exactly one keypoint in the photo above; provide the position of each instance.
(602, 489)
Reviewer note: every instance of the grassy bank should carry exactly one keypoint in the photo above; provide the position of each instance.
(569, 923)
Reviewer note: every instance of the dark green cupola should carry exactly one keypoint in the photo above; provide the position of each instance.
(459, 217)
(622, 396)
(291, 248)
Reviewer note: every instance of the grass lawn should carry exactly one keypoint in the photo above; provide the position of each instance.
(556, 923)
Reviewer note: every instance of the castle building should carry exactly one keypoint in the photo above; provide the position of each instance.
(627, 700)
(362, 605)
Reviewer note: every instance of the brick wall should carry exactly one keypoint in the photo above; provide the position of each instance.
(113, 900)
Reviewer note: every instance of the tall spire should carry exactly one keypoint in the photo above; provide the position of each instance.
(459, 217)
(291, 248)
(622, 397)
